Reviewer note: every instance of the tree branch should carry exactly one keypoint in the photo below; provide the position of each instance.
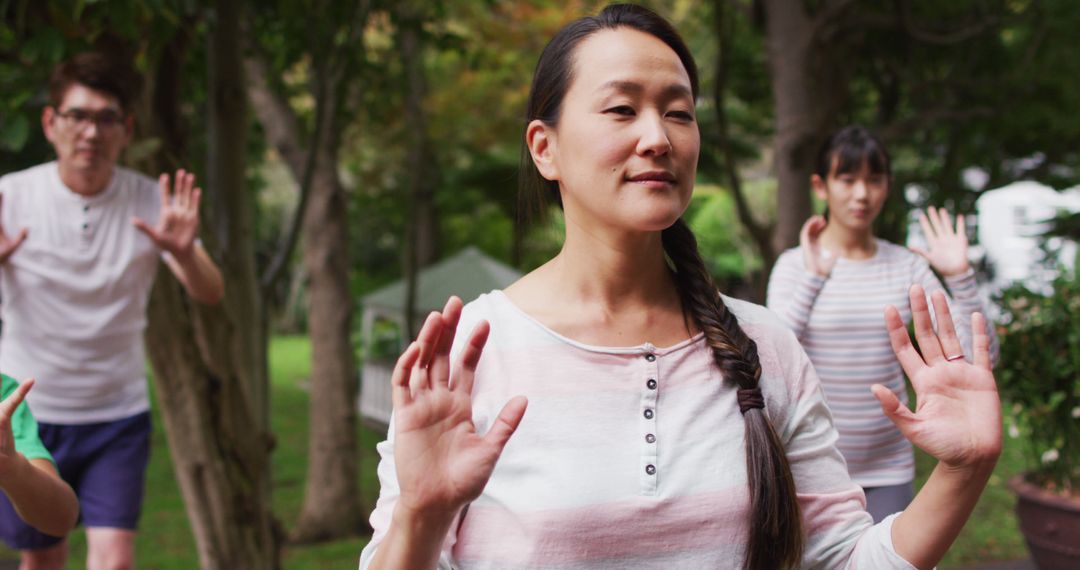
(331, 70)
(759, 233)
(283, 129)
(903, 10)
(831, 11)
(905, 128)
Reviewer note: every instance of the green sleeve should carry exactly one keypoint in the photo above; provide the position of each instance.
(23, 425)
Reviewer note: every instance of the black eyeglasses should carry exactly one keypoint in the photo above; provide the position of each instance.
(81, 118)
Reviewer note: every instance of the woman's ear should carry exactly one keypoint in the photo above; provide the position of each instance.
(820, 189)
(543, 147)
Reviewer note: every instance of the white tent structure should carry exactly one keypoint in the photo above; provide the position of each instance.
(1011, 220)
(466, 274)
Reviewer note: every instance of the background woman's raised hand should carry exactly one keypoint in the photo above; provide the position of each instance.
(946, 245)
(818, 260)
(442, 462)
(957, 417)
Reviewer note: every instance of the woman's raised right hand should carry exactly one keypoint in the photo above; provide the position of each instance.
(442, 463)
(817, 259)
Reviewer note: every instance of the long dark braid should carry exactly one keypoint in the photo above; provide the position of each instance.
(776, 539)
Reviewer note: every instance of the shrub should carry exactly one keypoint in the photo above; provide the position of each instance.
(1039, 379)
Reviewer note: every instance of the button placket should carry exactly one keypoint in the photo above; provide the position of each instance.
(87, 222)
(649, 387)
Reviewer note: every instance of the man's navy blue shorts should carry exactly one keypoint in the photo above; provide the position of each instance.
(105, 463)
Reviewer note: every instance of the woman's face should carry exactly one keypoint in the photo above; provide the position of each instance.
(625, 147)
(854, 198)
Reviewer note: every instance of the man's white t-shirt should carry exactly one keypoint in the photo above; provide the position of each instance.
(73, 296)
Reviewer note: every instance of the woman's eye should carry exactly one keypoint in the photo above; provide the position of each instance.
(681, 115)
(623, 110)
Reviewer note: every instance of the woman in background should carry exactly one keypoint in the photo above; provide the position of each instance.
(832, 289)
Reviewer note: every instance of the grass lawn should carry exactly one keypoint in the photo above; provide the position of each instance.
(165, 541)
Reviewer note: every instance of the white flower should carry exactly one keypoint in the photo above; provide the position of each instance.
(1050, 456)
(1076, 412)
(1014, 432)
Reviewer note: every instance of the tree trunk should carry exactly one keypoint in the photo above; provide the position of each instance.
(210, 362)
(332, 506)
(809, 85)
(760, 234)
(422, 170)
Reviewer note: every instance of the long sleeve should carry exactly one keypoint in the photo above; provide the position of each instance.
(793, 290)
(964, 299)
(840, 533)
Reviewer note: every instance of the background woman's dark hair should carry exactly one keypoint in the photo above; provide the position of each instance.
(850, 148)
(775, 526)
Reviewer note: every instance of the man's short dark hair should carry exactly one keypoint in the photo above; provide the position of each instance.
(98, 72)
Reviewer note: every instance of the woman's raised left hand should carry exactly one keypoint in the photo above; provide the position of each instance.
(957, 416)
(946, 246)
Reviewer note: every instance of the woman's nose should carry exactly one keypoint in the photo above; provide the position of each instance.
(654, 137)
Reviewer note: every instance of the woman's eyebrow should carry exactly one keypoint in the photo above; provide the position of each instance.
(632, 87)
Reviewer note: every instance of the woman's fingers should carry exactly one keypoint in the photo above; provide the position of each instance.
(428, 341)
(183, 188)
(891, 405)
(451, 314)
(811, 229)
(905, 352)
(927, 229)
(507, 422)
(804, 234)
(465, 371)
(961, 227)
(945, 226)
(440, 364)
(924, 326)
(400, 393)
(950, 343)
(163, 189)
(893, 408)
(428, 338)
(980, 341)
(196, 197)
(939, 218)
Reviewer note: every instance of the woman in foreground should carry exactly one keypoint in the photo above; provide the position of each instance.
(667, 426)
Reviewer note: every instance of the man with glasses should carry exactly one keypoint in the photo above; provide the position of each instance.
(80, 243)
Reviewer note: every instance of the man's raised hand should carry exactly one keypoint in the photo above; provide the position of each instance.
(178, 222)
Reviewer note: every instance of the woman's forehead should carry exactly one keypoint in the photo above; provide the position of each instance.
(627, 60)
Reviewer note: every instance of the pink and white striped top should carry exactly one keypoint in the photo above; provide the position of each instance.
(841, 325)
(634, 457)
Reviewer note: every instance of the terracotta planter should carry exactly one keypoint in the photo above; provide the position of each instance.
(1050, 524)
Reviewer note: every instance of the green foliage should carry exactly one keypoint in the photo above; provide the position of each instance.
(1065, 225)
(385, 342)
(35, 36)
(727, 250)
(1039, 379)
